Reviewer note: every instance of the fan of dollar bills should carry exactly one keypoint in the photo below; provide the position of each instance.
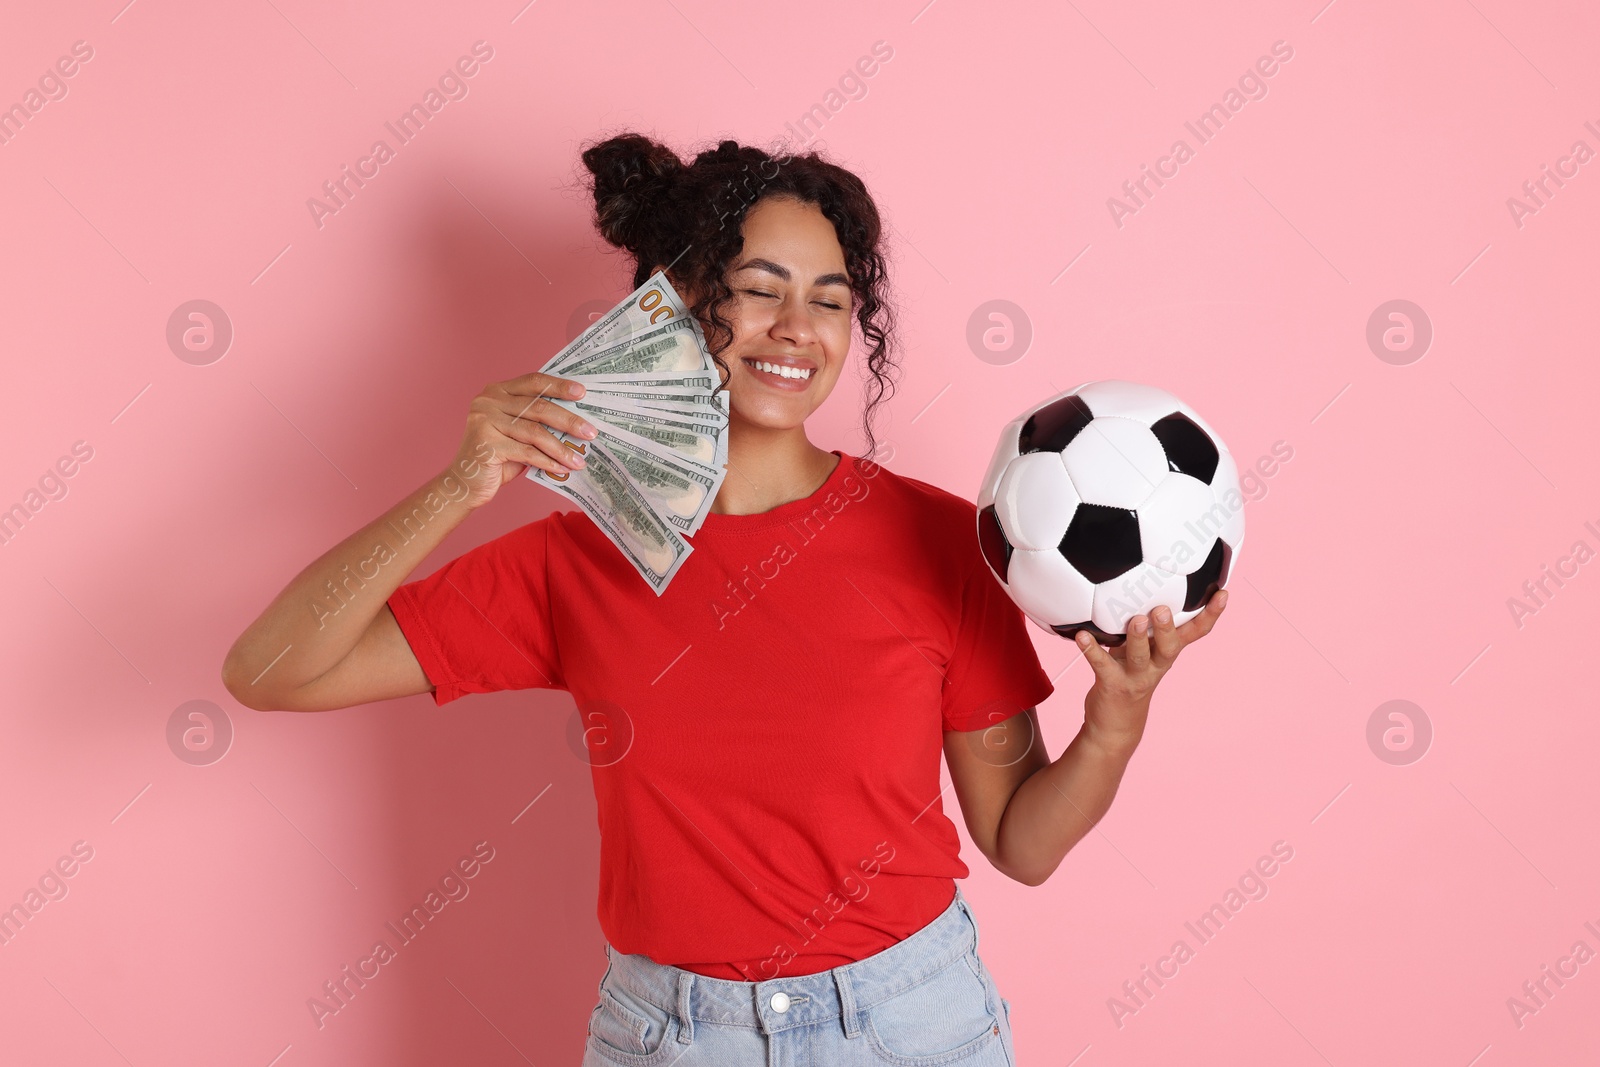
(654, 468)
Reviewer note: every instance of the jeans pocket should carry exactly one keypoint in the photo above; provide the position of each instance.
(629, 1030)
(942, 1020)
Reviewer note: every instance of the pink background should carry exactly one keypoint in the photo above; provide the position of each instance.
(1419, 497)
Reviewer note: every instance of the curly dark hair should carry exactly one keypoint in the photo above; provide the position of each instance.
(689, 216)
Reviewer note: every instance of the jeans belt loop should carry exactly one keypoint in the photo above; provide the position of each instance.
(686, 1027)
(971, 918)
(847, 1004)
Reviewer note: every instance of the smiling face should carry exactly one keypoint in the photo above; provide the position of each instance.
(790, 314)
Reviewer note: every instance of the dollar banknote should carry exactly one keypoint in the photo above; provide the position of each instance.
(698, 439)
(693, 389)
(675, 346)
(652, 304)
(700, 389)
(681, 489)
(669, 380)
(707, 418)
(603, 489)
(660, 454)
(702, 412)
(681, 399)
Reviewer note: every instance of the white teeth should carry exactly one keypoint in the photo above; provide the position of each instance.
(782, 371)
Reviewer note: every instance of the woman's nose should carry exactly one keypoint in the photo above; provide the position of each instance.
(794, 324)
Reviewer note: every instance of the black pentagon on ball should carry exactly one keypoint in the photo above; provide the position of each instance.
(992, 539)
(1069, 630)
(1212, 575)
(1102, 542)
(1189, 449)
(1052, 427)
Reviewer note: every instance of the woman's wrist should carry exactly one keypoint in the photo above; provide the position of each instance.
(1114, 734)
(470, 480)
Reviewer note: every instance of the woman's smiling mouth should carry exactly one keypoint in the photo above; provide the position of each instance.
(781, 375)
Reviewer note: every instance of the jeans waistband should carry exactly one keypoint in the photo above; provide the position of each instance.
(805, 1000)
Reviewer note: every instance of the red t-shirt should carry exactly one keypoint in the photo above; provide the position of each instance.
(765, 736)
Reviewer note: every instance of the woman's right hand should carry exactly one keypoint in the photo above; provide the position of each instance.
(505, 437)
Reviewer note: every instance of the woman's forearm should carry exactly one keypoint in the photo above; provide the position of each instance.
(327, 610)
(320, 615)
(1057, 805)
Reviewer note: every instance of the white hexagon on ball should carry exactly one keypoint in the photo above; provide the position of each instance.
(1138, 592)
(1172, 524)
(1003, 455)
(1115, 462)
(1035, 500)
(1047, 588)
(1225, 488)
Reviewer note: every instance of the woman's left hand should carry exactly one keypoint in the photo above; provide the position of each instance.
(1126, 676)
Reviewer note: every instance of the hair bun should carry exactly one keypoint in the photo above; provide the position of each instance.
(632, 174)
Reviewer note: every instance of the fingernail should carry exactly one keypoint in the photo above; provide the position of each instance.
(1161, 615)
(575, 389)
(1136, 627)
(575, 461)
(588, 430)
(1222, 599)
(1083, 639)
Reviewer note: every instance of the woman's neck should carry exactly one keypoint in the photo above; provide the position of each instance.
(767, 468)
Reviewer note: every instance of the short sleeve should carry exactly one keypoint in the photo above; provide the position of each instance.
(994, 672)
(482, 622)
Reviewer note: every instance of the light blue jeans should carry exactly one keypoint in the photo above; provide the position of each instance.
(923, 1001)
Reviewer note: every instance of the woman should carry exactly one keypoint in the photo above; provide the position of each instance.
(777, 870)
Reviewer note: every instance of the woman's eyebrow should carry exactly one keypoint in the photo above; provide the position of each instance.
(784, 272)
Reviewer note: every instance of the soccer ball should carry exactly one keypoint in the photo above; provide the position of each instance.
(1106, 501)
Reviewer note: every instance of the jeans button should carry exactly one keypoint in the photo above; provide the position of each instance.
(780, 1002)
